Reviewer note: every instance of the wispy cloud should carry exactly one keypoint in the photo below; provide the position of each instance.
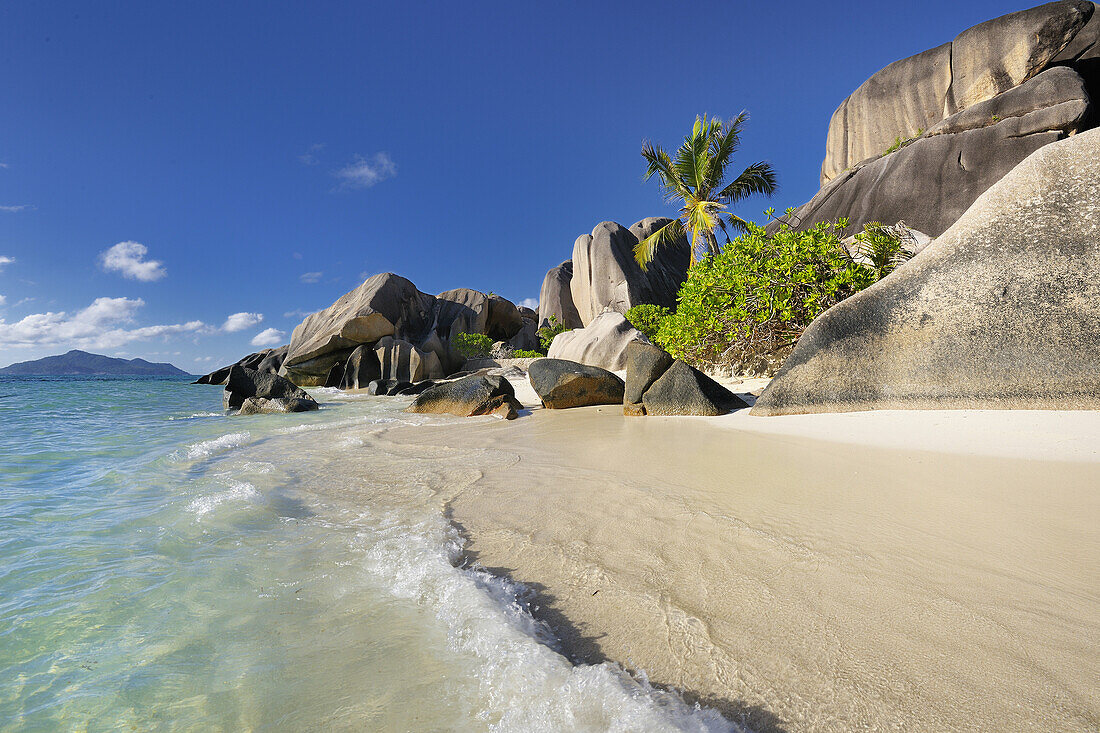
(128, 259)
(365, 172)
(3, 299)
(311, 277)
(241, 321)
(4, 165)
(11, 209)
(298, 314)
(5, 261)
(203, 359)
(310, 157)
(99, 326)
(269, 337)
(532, 303)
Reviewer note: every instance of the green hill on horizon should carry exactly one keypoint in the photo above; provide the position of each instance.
(81, 363)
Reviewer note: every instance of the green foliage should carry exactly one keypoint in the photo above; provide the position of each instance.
(527, 354)
(549, 331)
(696, 177)
(900, 143)
(880, 249)
(760, 293)
(647, 319)
(473, 345)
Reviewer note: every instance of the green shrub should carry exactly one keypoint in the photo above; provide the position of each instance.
(526, 354)
(647, 318)
(473, 345)
(549, 331)
(760, 293)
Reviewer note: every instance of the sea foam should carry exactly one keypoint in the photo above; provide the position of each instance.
(522, 682)
(225, 443)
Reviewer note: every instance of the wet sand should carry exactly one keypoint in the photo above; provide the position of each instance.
(798, 584)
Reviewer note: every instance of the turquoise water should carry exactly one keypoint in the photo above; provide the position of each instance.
(168, 567)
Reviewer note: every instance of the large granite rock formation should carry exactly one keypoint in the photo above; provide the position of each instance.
(971, 110)
(916, 93)
(361, 368)
(931, 182)
(421, 327)
(606, 275)
(556, 297)
(268, 360)
(384, 305)
(1002, 311)
(602, 343)
(404, 362)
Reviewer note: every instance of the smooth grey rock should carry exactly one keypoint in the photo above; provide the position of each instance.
(243, 383)
(380, 387)
(268, 360)
(602, 343)
(335, 375)
(607, 277)
(1002, 311)
(265, 405)
(413, 389)
(562, 384)
(994, 56)
(528, 314)
(684, 390)
(402, 361)
(504, 320)
(384, 305)
(361, 368)
(526, 338)
(469, 396)
(645, 363)
(930, 183)
(981, 62)
(556, 298)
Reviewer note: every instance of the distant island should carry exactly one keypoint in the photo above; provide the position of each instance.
(81, 363)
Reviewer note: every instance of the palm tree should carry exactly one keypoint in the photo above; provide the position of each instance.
(696, 177)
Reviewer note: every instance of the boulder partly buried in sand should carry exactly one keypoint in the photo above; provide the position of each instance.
(562, 384)
(645, 363)
(602, 343)
(684, 390)
(469, 396)
(1002, 311)
(243, 383)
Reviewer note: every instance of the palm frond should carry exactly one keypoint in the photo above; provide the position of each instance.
(757, 178)
(646, 249)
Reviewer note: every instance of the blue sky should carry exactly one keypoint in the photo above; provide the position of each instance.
(166, 166)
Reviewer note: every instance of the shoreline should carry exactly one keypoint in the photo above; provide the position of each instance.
(796, 583)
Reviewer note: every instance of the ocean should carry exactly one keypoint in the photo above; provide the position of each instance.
(168, 567)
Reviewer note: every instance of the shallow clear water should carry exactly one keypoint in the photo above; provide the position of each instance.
(165, 566)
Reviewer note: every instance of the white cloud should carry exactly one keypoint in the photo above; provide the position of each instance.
(14, 209)
(99, 326)
(269, 337)
(311, 277)
(4, 261)
(364, 173)
(204, 358)
(532, 303)
(3, 299)
(4, 165)
(241, 321)
(310, 156)
(128, 259)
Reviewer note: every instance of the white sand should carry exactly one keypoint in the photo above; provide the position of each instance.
(803, 572)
